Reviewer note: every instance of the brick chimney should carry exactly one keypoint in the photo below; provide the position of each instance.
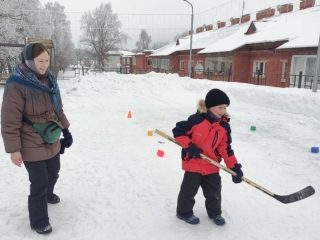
(265, 13)
(221, 24)
(234, 21)
(245, 18)
(285, 8)
(209, 27)
(199, 30)
(306, 4)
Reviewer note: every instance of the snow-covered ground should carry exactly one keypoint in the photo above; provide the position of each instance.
(112, 184)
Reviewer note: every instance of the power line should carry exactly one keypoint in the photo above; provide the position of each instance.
(216, 7)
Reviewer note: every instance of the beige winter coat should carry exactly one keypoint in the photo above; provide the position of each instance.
(35, 105)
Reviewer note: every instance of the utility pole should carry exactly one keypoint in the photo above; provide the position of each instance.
(243, 5)
(191, 34)
(317, 70)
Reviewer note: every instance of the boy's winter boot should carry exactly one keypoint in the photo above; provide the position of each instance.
(53, 199)
(191, 220)
(44, 229)
(218, 220)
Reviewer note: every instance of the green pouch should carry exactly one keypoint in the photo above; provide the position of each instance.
(50, 131)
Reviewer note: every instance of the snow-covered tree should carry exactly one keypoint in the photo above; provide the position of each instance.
(15, 15)
(144, 41)
(102, 32)
(58, 28)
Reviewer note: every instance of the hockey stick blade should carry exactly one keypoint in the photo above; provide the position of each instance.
(297, 196)
(294, 197)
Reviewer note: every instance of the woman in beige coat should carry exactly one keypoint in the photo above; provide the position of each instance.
(32, 95)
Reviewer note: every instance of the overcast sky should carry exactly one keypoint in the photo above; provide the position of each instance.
(146, 14)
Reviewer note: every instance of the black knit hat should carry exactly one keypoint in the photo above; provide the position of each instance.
(216, 97)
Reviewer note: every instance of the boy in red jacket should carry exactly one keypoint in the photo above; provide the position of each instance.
(208, 132)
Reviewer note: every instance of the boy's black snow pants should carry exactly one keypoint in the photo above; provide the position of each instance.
(211, 187)
(43, 175)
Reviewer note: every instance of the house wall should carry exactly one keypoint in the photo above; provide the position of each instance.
(242, 60)
(140, 63)
(185, 58)
(243, 67)
(240, 67)
(148, 67)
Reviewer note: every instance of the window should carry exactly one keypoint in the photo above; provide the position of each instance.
(222, 66)
(165, 64)
(156, 62)
(305, 64)
(181, 65)
(259, 69)
(284, 71)
(215, 66)
(198, 68)
(134, 61)
(127, 60)
(149, 61)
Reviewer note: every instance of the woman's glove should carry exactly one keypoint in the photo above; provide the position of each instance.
(63, 147)
(67, 140)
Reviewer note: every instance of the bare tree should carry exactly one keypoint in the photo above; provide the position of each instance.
(158, 45)
(144, 41)
(102, 32)
(184, 34)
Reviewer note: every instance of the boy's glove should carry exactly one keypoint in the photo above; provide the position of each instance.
(193, 151)
(238, 171)
(67, 140)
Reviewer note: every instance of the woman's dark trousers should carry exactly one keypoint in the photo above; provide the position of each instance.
(43, 175)
(211, 187)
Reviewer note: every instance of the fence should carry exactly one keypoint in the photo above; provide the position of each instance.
(3, 78)
(299, 81)
(267, 79)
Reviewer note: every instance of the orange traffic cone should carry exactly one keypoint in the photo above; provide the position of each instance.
(129, 114)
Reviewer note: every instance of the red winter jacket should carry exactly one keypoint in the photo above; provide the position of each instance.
(213, 137)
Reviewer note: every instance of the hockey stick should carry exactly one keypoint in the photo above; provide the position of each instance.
(294, 197)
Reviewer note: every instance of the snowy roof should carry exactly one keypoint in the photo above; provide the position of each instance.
(118, 52)
(165, 51)
(127, 53)
(199, 40)
(311, 40)
(300, 29)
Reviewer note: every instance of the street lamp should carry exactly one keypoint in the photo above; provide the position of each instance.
(190, 59)
(317, 70)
